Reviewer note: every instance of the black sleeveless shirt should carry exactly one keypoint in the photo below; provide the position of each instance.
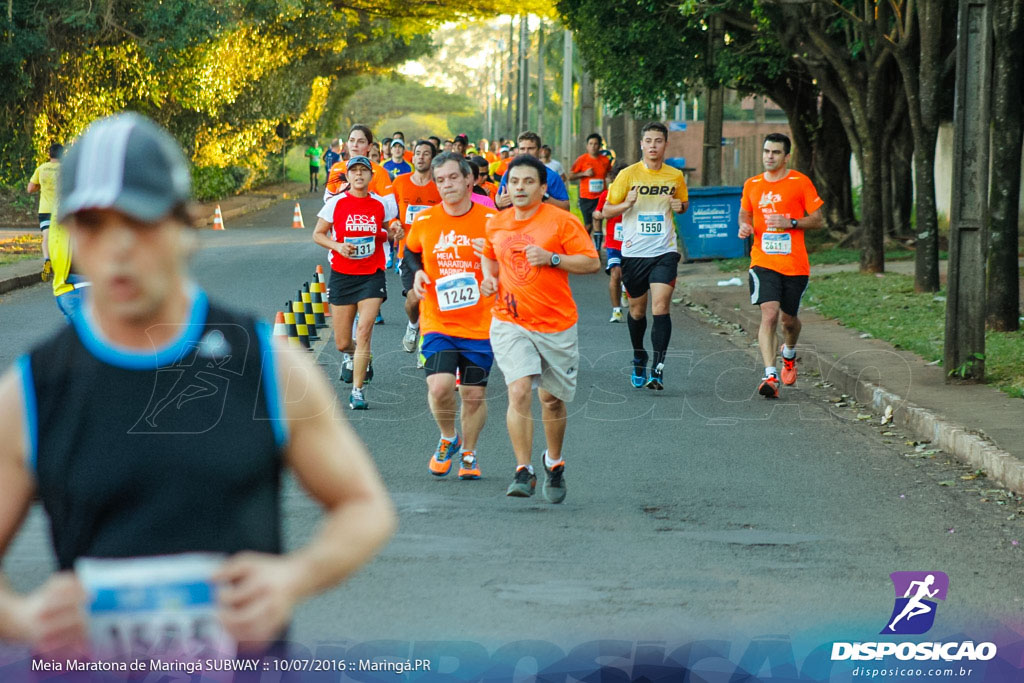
(176, 450)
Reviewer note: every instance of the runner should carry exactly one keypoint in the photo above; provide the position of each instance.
(407, 153)
(786, 205)
(646, 194)
(613, 251)
(529, 144)
(483, 181)
(375, 155)
(554, 164)
(591, 169)
(44, 181)
(414, 192)
(456, 318)
(497, 168)
(527, 257)
(448, 145)
(332, 155)
(460, 143)
(313, 153)
(351, 226)
(436, 142)
(478, 194)
(80, 407)
(397, 165)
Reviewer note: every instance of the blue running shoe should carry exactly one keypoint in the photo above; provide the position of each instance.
(639, 377)
(441, 460)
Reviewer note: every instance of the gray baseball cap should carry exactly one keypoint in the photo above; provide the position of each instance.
(359, 161)
(124, 162)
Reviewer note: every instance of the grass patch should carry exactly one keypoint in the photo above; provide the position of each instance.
(889, 309)
(7, 259)
(827, 257)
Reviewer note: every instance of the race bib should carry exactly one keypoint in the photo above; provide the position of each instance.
(650, 225)
(617, 232)
(595, 185)
(776, 243)
(411, 211)
(457, 291)
(154, 606)
(365, 246)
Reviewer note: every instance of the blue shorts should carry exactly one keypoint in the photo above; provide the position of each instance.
(445, 354)
(614, 259)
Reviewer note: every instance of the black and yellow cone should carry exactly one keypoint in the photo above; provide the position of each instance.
(319, 277)
(300, 324)
(289, 323)
(307, 311)
(318, 303)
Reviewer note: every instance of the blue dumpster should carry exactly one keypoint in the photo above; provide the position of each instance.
(709, 229)
(676, 162)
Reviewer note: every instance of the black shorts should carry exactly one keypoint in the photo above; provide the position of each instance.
(345, 290)
(771, 285)
(408, 275)
(587, 208)
(44, 221)
(639, 272)
(313, 170)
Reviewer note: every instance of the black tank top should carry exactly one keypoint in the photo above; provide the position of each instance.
(160, 453)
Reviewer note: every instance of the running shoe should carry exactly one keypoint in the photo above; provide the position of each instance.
(469, 468)
(409, 340)
(369, 369)
(554, 482)
(390, 261)
(346, 369)
(616, 316)
(356, 401)
(789, 370)
(421, 360)
(379, 320)
(657, 380)
(441, 460)
(523, 484)
(47, 273)
(769, 387)
(624, 298)
(639, 377)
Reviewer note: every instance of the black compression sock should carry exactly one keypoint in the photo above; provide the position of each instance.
(637, 330)
(661, 332)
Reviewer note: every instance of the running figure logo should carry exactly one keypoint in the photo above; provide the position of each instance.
(914, 611)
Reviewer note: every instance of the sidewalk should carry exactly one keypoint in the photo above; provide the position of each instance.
(25, 273)
(980, 425)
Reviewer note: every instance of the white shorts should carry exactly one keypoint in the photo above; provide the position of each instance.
(551, 358)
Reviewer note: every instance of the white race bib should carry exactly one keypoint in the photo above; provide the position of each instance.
(777, 243)
(365, 246)
(460, 290)
(154, 606)
(650, 225)
(412, 210)
(595, 185)
(617, 232)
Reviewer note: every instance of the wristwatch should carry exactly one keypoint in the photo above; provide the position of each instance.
(555, 260)
(792, 222)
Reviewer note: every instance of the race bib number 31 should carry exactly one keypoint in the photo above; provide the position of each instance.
(776, 243)
(154, 606)
(457, 291)
(650, 225)
(365, 246)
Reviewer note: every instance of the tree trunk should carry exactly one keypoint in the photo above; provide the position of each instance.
(901, 161)
(872, 250)
(1003, 301)
(832, 155)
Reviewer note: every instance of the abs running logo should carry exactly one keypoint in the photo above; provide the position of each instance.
(914, 613)
(916, 593)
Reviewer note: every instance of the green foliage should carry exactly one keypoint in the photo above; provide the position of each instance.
(394, 97)
(211, 182)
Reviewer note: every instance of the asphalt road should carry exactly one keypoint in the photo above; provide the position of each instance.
(699, 511)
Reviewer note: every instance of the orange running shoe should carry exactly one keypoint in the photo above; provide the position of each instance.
(441, 460)
(469, 468)
(789, 371)
(769, 387)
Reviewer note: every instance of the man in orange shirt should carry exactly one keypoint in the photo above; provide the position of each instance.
(590, 169)
(777, 206)
(527, 257)
(414, 192)
(455, 317)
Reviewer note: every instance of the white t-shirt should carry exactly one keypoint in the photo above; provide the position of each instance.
(555, 166)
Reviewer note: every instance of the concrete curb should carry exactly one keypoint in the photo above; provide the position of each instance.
(966, 445)
(19, 281)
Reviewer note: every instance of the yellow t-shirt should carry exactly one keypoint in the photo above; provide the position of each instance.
(59, 242)
(648, 227)
(46, 177)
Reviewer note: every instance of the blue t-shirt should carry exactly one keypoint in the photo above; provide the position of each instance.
(556, 188)
(394, 170)
(331, 158)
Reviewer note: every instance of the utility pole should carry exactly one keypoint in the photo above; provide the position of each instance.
(524, 75)
(508, 88)
(964, 356)
(711, 164)
(540, 79)
(588, 121)
(566, 98)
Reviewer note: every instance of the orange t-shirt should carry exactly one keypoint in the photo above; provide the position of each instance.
(411, 199)
(407, 155)
(502, 166)
(380, 183)
(536, 298)
(793, 196)
(592, 187)
(491, 188)
(491, 157)
(453, 305)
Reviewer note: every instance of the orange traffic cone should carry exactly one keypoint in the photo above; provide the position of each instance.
(218, 220)
(280, 327)
(297, 218)
(323, 290)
